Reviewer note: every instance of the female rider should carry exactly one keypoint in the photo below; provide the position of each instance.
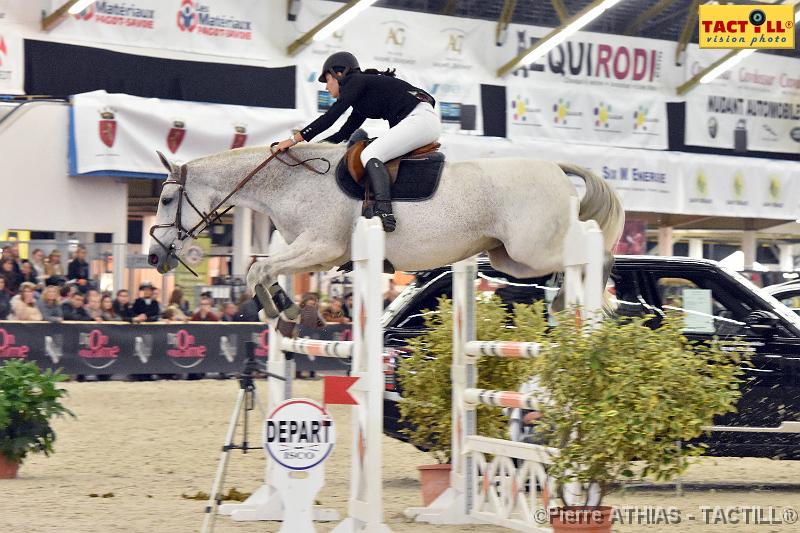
(410, 112)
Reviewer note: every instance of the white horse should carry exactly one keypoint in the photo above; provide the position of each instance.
(516, 210)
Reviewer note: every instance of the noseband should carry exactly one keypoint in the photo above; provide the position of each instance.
(206, 219)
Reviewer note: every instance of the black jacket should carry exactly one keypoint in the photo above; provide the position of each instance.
(153, 311)
(125, 312)
(5, 305)
(370, 96)
(78, 269)
(71, 313)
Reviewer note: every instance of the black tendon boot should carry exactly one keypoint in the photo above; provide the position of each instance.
(379, 182)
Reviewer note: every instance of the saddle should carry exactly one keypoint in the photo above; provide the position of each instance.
(356, 167)
(414, 176)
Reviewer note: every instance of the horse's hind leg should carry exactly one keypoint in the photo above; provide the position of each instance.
(503, 262)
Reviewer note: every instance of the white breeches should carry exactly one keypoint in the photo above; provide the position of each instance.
(420, 127)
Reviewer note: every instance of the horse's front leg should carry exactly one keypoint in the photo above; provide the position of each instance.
(303, 255)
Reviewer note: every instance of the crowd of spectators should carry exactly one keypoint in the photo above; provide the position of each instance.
(38, 289)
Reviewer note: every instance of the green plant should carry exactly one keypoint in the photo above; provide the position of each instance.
(425, 374)
(28, 400)
(621, 395)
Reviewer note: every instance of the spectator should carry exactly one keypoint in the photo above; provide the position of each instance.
(23, 305)
(50, 304)
(347, 308)
(205, 314)
(37, 261)
(157, 298)
(177, 301)
(54, 268)
(10, 252)
(390, 295)
(107, 312)
(78, 269)
(309, 311)
(92, 306)
(335, 312)
(5, 303)
(229, 312)
(8, 269)
(145, 308)
(73, 308)
(173, 314)
(28, 273)
(122, 305)
(248, 310)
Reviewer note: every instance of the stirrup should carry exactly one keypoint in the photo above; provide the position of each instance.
(387, 219)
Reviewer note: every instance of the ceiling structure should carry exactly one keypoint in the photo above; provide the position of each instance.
(655, 19)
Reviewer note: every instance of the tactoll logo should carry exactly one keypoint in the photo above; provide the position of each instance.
(119, 14)
(8, 348)
(96, 350)
(196, 16)
(185, 353)
(746, 26)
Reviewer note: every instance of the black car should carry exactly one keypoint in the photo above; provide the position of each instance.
(717, 302)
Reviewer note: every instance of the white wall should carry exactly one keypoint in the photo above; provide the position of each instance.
(36, 192)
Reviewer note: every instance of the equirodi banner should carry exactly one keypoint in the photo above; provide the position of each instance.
(753, 107)
(120, 133)
(11, 63)
(213, 27)
(117, 348)
(623, 118)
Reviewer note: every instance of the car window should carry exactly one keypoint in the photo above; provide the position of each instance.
(707, 307)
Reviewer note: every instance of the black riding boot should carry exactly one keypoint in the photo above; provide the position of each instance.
(380, 183)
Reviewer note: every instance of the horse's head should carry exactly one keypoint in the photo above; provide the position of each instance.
(179, 218)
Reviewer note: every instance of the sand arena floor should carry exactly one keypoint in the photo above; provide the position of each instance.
(150, 443)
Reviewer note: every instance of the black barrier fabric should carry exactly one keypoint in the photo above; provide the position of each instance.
(126, 349)
(59, 69)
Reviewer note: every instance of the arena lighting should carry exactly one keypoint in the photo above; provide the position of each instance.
(726, 64)
(342, 19)
(79, 6)
(330, 24)
(558, 35)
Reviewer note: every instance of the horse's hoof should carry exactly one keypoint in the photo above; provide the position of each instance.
(264, 299)
(284, 304)
(286, 328)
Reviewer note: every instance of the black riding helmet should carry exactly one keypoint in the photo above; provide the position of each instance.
(343, 61)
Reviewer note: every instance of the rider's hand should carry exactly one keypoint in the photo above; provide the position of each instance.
(288, 143)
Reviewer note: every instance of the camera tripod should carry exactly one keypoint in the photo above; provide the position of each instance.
(246, 401)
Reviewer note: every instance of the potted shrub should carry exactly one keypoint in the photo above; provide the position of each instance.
(28, 400)
(619, 397)
(425, 379)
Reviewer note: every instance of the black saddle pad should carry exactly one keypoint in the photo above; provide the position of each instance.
(417, 179)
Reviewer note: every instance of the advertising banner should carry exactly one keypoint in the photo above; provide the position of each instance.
(755, 106)
(178, 348)
(120, 133)
(661, 181)
(623, 118)
(212, 27)
(12, 77)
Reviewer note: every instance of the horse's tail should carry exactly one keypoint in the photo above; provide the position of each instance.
(600, 203)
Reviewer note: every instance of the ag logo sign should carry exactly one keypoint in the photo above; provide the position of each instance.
(299, 434)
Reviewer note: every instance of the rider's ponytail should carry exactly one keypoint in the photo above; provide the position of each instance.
(388, 72)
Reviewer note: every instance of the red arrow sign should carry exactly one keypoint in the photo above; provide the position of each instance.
(336, 390)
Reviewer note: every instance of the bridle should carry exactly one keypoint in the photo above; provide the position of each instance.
(206, 219)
